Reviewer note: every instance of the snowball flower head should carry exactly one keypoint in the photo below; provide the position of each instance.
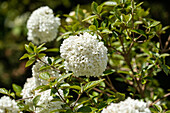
(84, 55)
(127, 106)
(27, 90)
(28, 94)
(8, 105)
(47, 103)
(42, 25)
(36, 71)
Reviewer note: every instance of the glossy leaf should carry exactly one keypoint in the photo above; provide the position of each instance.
(62, 77)
(4, 91)
(36, 100)
(94, 6)
(24, 56)
(110, 3)
(16, 88)
(44, 75)
(139, 31)
(92, 84)
(84, 109)
(30, 62)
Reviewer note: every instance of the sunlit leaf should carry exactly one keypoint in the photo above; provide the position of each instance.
(92, 84)
(44, 75)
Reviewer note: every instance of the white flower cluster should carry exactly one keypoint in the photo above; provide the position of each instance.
(127, 106)
(84, 55)
(46, 102)
(8, 105)
(28, 92)
(36, 71)
(42, 25)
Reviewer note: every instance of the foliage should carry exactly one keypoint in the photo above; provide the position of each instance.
(134, 59)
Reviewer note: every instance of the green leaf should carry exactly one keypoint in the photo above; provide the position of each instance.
(75, 26)
(167, 111)
(24, 56)
(42, 49)
(44, 75)
(30, 62)
(58, 111)
(72, 87)
(139, 31)
(126, 18)
(4, 91)
(110, 3)
(99, 8)
(164, 55)
(90, 17)
(69, 111)
(31, 45)
(94, 6)
(36, 100)
(120, 96)
(41, 55)
(158, 108)
(29, 49)
(16, 88)
(56, 61)
(139, 4)
(77, 11)
(143, 81)
(120, 79)
(107, 31)
(40, 46)
(13, 94)
(49, 60)
(40, 87)
(165, 28)
(92, 84)
(32, 56)
(108, 72)
(52, 50)
(115, 34)
(92, 27)
(95, 22)
(132, 89)
(165, 69)
(155, 23)
(84, 109)
(62, 77)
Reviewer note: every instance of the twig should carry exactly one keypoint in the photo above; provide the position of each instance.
(121, 41)
(166, 95)
(131, 45)
(116, 50)
(24, 98)
(63, 99)
(160, 42)
(98, 90)
(77, 99)
(49, 65)
(111, 85)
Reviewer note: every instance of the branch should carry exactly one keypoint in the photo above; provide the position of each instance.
(166, 95)
(48, 65)
(98, 90)
(131, 45)
(24, 98)
(110, 84)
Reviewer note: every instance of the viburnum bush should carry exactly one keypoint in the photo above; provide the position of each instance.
(111, 43)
